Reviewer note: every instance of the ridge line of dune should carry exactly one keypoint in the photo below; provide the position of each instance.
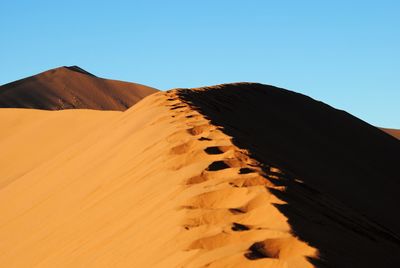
(233, 205)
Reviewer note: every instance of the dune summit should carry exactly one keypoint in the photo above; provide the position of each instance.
(71, 88)
(235, 175)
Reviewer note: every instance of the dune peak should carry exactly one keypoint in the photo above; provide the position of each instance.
(71, 87)
(78, 69)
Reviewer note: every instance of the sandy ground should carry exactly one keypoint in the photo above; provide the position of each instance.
(163, 184)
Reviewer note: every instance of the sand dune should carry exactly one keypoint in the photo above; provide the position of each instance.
(71, 88)
(394, 132)
(240, 175)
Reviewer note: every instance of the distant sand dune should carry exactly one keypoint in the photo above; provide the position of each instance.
(394, 132)
(71, 88)
(240, 175)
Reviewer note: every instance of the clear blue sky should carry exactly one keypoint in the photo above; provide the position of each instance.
(343, 52)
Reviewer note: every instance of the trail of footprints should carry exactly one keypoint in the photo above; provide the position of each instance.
(233, 209)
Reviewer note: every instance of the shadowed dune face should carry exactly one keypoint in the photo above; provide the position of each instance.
(340, 174)
(394, 132)
(71, 88)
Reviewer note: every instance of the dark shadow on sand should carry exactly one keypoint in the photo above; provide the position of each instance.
(348, 168)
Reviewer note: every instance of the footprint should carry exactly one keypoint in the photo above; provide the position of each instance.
(217, 165)
(233, 185)
(237, 227)
(177, 107)
(246, 170)
(260, 250)
(197, 130)
(236, 211)
(224, 198)
(213, 150)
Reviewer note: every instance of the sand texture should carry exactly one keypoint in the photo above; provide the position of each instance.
(71, 88)
(236, 175)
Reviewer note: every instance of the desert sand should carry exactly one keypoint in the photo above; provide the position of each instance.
(236, 175)
(71, 88)
(394, 132)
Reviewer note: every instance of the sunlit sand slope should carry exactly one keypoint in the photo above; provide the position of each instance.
(29, 138)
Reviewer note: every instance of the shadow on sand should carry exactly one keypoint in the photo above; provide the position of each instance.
(341, 174)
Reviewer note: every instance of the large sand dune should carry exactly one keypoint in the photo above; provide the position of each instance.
(71, 88)
(240, 175)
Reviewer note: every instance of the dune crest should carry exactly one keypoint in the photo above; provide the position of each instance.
(228, 203)
(71, 88)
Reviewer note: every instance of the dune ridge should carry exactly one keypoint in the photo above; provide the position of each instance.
(71, 88)
(181, 180)
(231, 200)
